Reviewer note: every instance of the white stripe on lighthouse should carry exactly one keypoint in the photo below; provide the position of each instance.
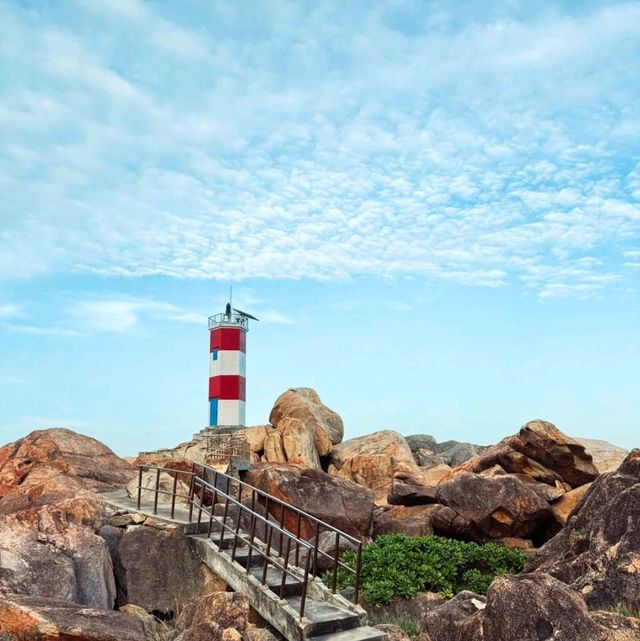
(231, 412)
(227, 362)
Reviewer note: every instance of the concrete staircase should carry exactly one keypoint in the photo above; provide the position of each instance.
(294, 601)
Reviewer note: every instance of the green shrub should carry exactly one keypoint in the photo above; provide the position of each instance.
(398, 565)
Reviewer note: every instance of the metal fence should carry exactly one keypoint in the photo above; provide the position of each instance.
(256, 521)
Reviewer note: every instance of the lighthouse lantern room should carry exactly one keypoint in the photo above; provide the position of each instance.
(227, 367)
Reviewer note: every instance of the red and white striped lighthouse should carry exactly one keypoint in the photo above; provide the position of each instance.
(227, 367)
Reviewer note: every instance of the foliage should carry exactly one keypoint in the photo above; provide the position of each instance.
(626, 610)
(410, 627)
(399, 565)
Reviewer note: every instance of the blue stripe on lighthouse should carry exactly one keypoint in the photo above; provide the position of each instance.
(213, 412)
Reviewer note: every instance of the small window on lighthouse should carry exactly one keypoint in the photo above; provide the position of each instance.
(215, 354)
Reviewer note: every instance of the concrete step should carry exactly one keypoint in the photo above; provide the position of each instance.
(324, 617)
(292, 586)
(364, 633)
(242, 557)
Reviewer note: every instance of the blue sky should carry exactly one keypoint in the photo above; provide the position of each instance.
(433, 209)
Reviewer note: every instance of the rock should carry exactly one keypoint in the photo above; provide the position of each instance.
(54, 464)
(304, 403)
(458, 453)
(30, 618)
(298, 443)
(373, 460)
(565, 505)
(421, 442)
(537, 607)
(598, 552)
(426, 458)
(540, 451)
(156, 570)
(413, 521)
(413, 609)
(435, 475)
(393, 632)
(164, 482)
(259, 634)
(485, 507)
(149, 622)
(409, 489)
(218, 616)
(341, 503)
(606, 457)
(273, 448)
(459, 619)
(53, 550)
(328, 546)
(255, 437)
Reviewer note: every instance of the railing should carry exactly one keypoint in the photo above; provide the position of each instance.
(228, 319)
(225, 447)
(268, 535)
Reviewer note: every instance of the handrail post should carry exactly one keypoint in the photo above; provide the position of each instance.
(286, 565)
(224, 518)
(303, 596)
(298, 541)
(237, 534)
(173, 495)
(155, 500)
(266, 556)
(334, 579)
(281, 528)
(315, 550)
(139, 485)
(357, 581)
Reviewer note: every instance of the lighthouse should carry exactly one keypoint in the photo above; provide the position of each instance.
(227, 367)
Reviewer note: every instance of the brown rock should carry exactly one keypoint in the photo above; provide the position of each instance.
(30, 618)
(54, 464)
(219, 616)
(565, 505)
(304, 403)
(537, 607)
(413, 609)
(606, 457)
(53, 551)
(341, 503)
(255, 437)
(597, 553)
(485, 507)
(373, 460)
(298, 443)
(273, 448)
(164, 482)
(459, 619)
(156, 569)
(413, 521)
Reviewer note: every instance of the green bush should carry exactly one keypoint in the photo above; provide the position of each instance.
(398, 565)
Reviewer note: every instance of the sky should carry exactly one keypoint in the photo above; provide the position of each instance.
(432, 207)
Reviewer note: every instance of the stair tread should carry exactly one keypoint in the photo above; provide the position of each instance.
(274, 575)
(321, 611)
(363, 633)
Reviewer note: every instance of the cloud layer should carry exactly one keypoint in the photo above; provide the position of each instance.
(400, 139)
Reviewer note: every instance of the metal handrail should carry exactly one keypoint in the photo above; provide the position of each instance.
(199, 486)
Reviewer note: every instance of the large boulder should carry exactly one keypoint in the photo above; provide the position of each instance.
(539, 450)
(54, 550)
(372, 461)
(343, 504)
(484, 507)
(304, 404)
(538, 607)
(32, 618)
(598, 552)
(50, 465)
(208, 617)
(459, 619)
(298, 443)
(156, 569)
(606, 457)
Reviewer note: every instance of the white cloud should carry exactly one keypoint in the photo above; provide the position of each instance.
(479, 149)
(271, 316)
(9, 310)
(119, 315)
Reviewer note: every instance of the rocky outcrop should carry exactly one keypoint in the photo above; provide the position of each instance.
(219, 616)
(541, 451)
(372, 461)
(54, 464)
(598, 552)
(341, 503)
(459, 619)
(155, 567)
(304, 404)
(31, 618)
(427, 452)
(606, 457)
(298, 443)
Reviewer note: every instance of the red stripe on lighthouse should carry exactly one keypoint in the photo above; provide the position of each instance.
(231, 338)
(227, 388)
